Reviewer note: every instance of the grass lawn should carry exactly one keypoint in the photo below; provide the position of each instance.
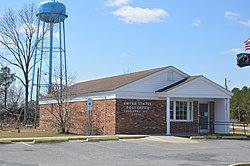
(26, 133)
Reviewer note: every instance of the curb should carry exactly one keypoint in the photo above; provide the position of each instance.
(240, 164)
(196, 137)
(219, 137)
(234, 137)
(66, 139)
(22, 140)
(76, 139)
(132, 137)
(95, 139)
(205, 137)
(50, 140)
(6, 142)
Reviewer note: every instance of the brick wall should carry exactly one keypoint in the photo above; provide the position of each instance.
(49, 114)
(124, 116)
(79, 118)
(140, 116)
(102, 117)
(46, 120)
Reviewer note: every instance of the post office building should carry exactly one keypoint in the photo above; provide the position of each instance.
(157, 101)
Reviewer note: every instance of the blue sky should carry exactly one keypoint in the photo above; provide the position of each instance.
(112, 37)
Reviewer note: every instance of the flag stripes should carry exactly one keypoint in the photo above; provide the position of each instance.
(247, 44)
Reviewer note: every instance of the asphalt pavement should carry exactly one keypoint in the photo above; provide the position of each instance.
(156, 150)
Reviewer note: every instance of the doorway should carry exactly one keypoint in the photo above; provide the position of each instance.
(203, 117)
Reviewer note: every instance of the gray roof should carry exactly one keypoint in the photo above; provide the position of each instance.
(111, 83)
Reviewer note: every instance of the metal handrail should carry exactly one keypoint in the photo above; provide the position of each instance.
(233, 124)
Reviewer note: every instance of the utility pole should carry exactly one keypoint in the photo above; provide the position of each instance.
(226, 81)
(37, 97)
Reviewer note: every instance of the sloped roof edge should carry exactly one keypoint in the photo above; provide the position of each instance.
(179, 83)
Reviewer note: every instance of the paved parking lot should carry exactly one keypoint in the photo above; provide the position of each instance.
(147, 151)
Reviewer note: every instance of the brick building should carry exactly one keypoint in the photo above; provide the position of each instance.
(162, 100)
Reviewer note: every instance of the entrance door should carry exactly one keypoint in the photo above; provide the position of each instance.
(203, 117)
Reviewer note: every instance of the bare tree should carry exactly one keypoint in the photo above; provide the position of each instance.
(18, 37)
(61, 110)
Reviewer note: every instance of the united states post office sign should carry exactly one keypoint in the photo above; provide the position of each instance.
(137, 107)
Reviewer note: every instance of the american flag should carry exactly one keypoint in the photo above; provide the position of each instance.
(247, 44)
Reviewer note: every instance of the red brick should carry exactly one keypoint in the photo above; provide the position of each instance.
(110, 117)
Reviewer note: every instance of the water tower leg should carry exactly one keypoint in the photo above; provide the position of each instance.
(50, 58)
(41, 60)
(61, 59)
(65, 60)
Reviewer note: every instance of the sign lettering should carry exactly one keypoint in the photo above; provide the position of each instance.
(136, 108)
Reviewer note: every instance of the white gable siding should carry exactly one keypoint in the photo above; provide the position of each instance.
(154, 82)
(199, 88)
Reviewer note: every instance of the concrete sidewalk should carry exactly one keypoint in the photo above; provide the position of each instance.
(171, 139)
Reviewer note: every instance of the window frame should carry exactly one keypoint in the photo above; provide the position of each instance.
(190, 115)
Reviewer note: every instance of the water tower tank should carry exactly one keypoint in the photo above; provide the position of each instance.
(52, 12)
(51, 51)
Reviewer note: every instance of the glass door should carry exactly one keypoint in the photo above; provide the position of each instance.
(203, 117)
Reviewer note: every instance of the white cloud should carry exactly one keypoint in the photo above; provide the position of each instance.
(113, 3)
(196, 23)
(231, 15)
(131, 15)
(246, 22)
(236, 17)
(125, 55)
(232, 51)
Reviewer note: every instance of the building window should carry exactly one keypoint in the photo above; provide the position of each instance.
(181, 111)
(171, 110)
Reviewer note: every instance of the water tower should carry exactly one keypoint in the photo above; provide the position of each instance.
(50, 55)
